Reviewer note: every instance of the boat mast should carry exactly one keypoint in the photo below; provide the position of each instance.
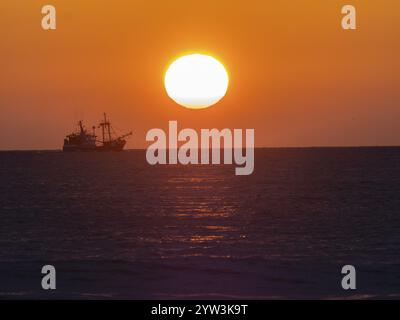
(106, 124)
(81, 126)
(102, 130)
(108, 127)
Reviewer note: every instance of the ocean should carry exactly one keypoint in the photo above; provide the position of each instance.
(115, 227)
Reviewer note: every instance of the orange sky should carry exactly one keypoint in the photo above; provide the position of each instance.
(295, 75)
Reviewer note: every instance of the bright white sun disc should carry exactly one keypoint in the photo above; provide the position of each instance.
(196, 81)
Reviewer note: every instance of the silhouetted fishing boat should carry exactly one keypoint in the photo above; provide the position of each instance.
(82, 140)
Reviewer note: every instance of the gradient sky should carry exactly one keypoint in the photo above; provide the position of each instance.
(295, 75)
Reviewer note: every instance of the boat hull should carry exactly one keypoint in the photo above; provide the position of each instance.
(117, 146)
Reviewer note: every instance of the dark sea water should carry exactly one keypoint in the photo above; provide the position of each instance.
(116, 227)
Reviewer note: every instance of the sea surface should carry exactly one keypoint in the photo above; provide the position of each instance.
(115, 227)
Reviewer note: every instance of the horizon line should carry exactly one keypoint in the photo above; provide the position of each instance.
(270, 147)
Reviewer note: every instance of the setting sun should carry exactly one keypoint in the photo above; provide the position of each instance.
(196, 81)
